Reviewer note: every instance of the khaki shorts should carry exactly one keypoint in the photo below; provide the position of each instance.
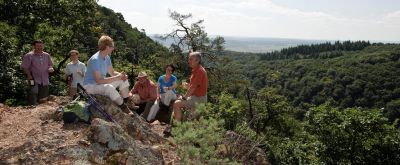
(193, 100)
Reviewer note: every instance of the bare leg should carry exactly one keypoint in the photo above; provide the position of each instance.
(178, 110)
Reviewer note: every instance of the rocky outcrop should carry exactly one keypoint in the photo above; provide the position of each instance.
(110, 144)
(134, 125)
(128, 140)
(36, 135)
(244, 150)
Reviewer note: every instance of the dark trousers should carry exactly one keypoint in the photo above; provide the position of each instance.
(37, 92)
(163, 114)
(144, 107)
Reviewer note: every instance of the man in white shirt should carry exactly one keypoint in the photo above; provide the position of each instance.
(74, 72)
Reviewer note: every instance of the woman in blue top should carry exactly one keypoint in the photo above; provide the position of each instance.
(167, 85)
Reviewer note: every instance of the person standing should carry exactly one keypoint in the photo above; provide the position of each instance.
(37, 65)
(74, 72)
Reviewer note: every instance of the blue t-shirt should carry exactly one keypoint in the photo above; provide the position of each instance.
(163, 84)
(96, 63)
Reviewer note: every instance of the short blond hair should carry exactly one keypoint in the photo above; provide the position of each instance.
(105, 41)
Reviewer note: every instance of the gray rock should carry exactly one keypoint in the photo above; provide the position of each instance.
(134, 125)
(112, 145)
(109, 134)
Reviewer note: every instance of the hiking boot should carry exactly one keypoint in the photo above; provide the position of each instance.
(129, 102)
(125, 108)
(132, 107)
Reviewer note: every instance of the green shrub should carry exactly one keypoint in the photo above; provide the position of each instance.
(198, 141)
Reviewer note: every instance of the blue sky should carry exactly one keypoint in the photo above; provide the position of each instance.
(302, 19)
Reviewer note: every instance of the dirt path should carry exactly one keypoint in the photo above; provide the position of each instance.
(30, 133)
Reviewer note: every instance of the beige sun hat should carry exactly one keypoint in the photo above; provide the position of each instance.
(142, 74)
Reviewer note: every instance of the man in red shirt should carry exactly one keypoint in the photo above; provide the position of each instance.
(143, 93)
(196, 89)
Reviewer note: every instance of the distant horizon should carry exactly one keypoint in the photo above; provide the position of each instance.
(305, 39)
(264, 44)
(298, 19)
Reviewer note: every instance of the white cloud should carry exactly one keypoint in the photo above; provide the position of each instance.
(260, 18)
(395, 14)
(392, 19)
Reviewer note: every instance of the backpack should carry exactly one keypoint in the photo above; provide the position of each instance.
(76, 111)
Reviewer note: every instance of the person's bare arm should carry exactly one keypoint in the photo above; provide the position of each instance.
(106, 80)
(175, 85)
(191, 89)
(112, 72)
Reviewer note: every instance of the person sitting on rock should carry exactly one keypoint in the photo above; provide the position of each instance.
(143, 93)
(167, 85)
(166, 96)
(95, 80)
(196, 89)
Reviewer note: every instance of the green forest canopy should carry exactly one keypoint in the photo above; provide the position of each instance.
(304, 105)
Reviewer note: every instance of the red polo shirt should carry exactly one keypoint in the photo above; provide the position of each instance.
(199, 78)
(148, 90)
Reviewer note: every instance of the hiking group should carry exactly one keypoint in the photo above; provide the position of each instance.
(99, 77)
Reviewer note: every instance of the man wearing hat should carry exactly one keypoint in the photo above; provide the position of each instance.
(143, 93)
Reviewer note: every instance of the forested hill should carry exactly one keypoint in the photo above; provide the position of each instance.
(322, 50)
(368, 77)
(328, 103)
(65, 25)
